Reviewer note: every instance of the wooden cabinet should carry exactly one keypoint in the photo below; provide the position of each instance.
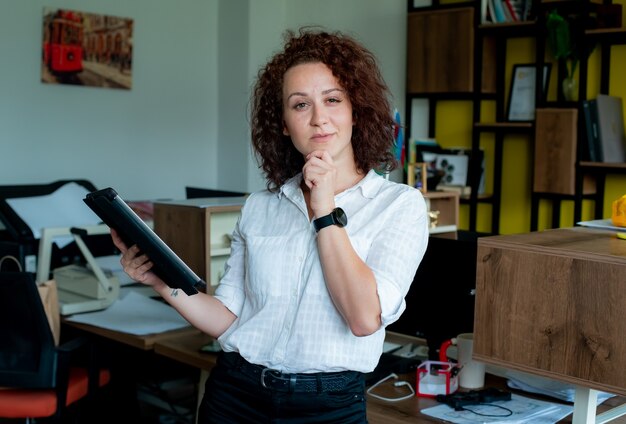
(199, 231)
(552, 303)
(445, 207)
(556, 144)
(440, 48)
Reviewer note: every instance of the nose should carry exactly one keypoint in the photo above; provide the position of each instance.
(319, 116)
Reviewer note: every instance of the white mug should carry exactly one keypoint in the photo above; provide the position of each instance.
(472, 373)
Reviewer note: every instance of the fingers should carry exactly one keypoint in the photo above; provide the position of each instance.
(318, 169)
(135, 263)
(320, 174)
(118, 242)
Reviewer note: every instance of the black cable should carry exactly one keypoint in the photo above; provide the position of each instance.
(489, 415)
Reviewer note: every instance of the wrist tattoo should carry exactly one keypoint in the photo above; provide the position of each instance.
(174, 293)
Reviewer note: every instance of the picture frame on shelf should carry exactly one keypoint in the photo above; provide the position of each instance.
(418, 175)
(521, 103)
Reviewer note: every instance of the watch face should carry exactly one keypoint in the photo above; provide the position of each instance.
(340, 217)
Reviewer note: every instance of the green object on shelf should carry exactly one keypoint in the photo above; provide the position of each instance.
(560, 41)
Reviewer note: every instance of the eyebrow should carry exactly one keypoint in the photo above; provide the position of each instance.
(325, 92)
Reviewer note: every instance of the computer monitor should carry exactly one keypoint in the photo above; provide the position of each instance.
(440, 302)
(199, 193)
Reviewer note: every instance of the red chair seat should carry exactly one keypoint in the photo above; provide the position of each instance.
(39, 403)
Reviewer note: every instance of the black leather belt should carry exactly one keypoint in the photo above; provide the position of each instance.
(275, 380)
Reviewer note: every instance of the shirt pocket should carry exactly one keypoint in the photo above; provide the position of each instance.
(270, 265)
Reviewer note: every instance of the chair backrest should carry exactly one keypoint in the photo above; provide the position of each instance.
(28, 355)
(14, 224)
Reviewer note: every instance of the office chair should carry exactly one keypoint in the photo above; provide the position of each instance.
(37, 378)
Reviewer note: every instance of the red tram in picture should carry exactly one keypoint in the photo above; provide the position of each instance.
(63, 42)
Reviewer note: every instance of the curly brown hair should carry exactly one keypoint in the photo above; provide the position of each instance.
(357, 72)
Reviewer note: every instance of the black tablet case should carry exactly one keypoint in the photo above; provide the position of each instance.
(115, 213)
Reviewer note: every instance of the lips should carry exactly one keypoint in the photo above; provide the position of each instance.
(321, 137)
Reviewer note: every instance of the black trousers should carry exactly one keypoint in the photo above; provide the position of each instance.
(239, 392)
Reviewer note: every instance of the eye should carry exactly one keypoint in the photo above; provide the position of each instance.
(334, 100)
(299, 105)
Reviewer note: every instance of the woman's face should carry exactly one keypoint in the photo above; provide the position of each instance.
(317, 113)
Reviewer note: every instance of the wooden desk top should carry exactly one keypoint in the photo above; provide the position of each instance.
(145, 342)
(186, 349)
(576, 242)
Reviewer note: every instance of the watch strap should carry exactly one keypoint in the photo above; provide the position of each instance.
(323, 221)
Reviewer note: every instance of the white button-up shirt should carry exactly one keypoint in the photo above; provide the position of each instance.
(273, 280)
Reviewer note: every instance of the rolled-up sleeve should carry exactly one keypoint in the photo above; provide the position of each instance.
(397, 251)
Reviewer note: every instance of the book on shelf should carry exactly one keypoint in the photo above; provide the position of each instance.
(508, 6)
(593, 149)
(499, 11)
(484, 12)
(611, 128)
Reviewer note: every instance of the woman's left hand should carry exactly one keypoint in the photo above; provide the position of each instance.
(320, 175)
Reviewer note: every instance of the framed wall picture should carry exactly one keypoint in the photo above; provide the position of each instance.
(521, 105)
(88, 49)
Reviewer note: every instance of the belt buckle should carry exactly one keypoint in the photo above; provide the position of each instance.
(263, 373)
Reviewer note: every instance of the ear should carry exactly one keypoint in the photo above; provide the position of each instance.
(285, 129)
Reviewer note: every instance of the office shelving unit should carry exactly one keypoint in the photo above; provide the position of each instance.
(444, 76)
(587, 179)
(441, 65)
(500, 128)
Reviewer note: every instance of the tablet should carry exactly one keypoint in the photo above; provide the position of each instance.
(115, 213)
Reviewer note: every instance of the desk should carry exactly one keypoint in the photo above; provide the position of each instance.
(559, 297)
(185, 348)
(145, 342)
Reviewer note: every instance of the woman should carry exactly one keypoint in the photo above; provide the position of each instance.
(321, 260)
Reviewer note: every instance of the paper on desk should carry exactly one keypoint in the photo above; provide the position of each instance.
(602, 224)
(134, 314)
(542, 385)
(62, 208)
(525, 410)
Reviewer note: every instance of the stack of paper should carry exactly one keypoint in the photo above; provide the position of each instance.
(135, 314)
(517, 410)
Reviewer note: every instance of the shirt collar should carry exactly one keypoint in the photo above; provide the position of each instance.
(369, 186)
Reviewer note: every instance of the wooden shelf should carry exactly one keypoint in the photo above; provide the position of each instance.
(447, 203)
(509, 29)
(510, 127)
(607, 35)
(608, 167)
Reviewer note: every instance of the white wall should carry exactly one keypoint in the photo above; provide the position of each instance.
(147, 142)
(185, 121)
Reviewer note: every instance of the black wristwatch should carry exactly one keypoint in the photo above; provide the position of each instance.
(336, 217)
